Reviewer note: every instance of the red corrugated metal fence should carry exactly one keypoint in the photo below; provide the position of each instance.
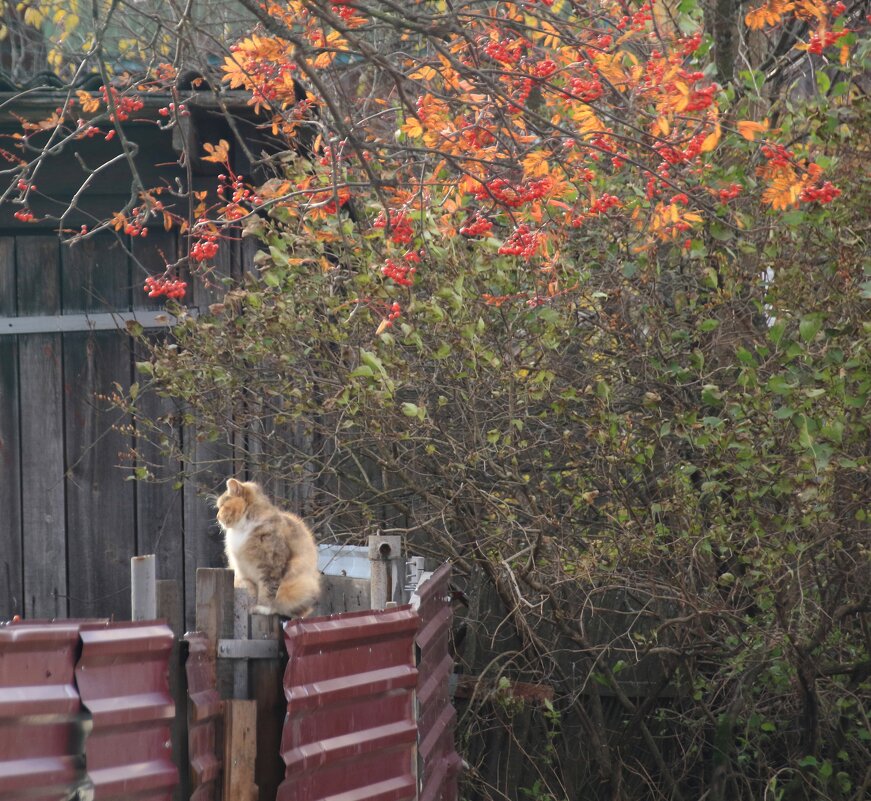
(436, 718)
(206, 710)
(350, 729)
(41, 731)
(61, 680)
(123, 681)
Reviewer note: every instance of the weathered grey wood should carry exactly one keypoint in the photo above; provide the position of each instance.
(41, 382)
(214, 617)
(11, 597)
(84, 322)
(240, 744)
(341, 594)
(243, 601)
(170, 608)
(143, 588)
(159, 502)
(242, 650)
(266, 690)
(100, 504)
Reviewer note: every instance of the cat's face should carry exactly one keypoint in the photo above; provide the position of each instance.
(233, 504)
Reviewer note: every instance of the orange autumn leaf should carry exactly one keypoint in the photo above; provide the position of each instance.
(536, 165)
(768, 13)
(748, 128)
(711, 140)
(88, 102)
(219, 154)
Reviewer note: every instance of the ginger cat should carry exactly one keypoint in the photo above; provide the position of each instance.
(272, 553)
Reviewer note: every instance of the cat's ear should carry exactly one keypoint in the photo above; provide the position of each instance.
(234, 487)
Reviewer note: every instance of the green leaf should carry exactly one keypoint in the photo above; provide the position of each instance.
(810, 325)
(410, 409)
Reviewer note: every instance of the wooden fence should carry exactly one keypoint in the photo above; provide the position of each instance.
(71, 520)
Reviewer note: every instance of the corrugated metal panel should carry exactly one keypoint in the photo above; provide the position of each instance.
(206, 709)
(436, 718)
(350, 729)
(123, 681)
(41, 732)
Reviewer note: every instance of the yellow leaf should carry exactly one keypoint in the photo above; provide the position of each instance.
(748, 128)
(412, 128)
(711, 140)
(661, 127)
(219, 154)
(535, 165)
(88, 102)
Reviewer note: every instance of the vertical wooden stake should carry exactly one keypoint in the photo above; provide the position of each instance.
(170, 607)
(241, 622)
(267, 690)
(143, 588)
(215, 617)
(240, 750)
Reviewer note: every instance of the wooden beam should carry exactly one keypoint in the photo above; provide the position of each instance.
(240, 750)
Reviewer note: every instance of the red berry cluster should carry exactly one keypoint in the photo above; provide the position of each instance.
(402, 274)
(601, 205)
(23, 186)
(124, 104)
(690, 44)
(133, 228)
(837, 9)
(205, 248)
(508, 51)
(545, 68)
(476, 226)
(513, 195)
(586, 90)
(637, 21)
(401, 231)
(156, 286)
(820, 194)
(778, 155)
(343, 11)
(166, 111)
(522, 242)
(819, 42)
(729, 192)
(23, 215)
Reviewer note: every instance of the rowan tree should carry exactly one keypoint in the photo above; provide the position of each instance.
(574, 294)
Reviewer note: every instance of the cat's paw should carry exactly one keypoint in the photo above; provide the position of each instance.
(262, 610)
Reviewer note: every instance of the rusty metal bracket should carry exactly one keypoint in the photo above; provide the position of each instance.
(248, 649)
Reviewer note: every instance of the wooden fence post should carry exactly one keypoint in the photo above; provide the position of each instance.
(267, 691)
(143, 588)
(170, 607)
(240, 750)
(215, 617)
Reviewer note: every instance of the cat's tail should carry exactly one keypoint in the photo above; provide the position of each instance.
(297, 595)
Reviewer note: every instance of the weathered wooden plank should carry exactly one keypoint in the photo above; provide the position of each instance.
(159, 500)
(240, 744)
(267, 692)
(208, 462)
(11, 598)
(170, 607)
(42, 432)
(100, 504)
(214, 617)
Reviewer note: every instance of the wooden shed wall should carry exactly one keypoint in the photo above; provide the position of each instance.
(69, 518)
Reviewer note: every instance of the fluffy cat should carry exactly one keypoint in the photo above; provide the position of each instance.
(272, 553)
